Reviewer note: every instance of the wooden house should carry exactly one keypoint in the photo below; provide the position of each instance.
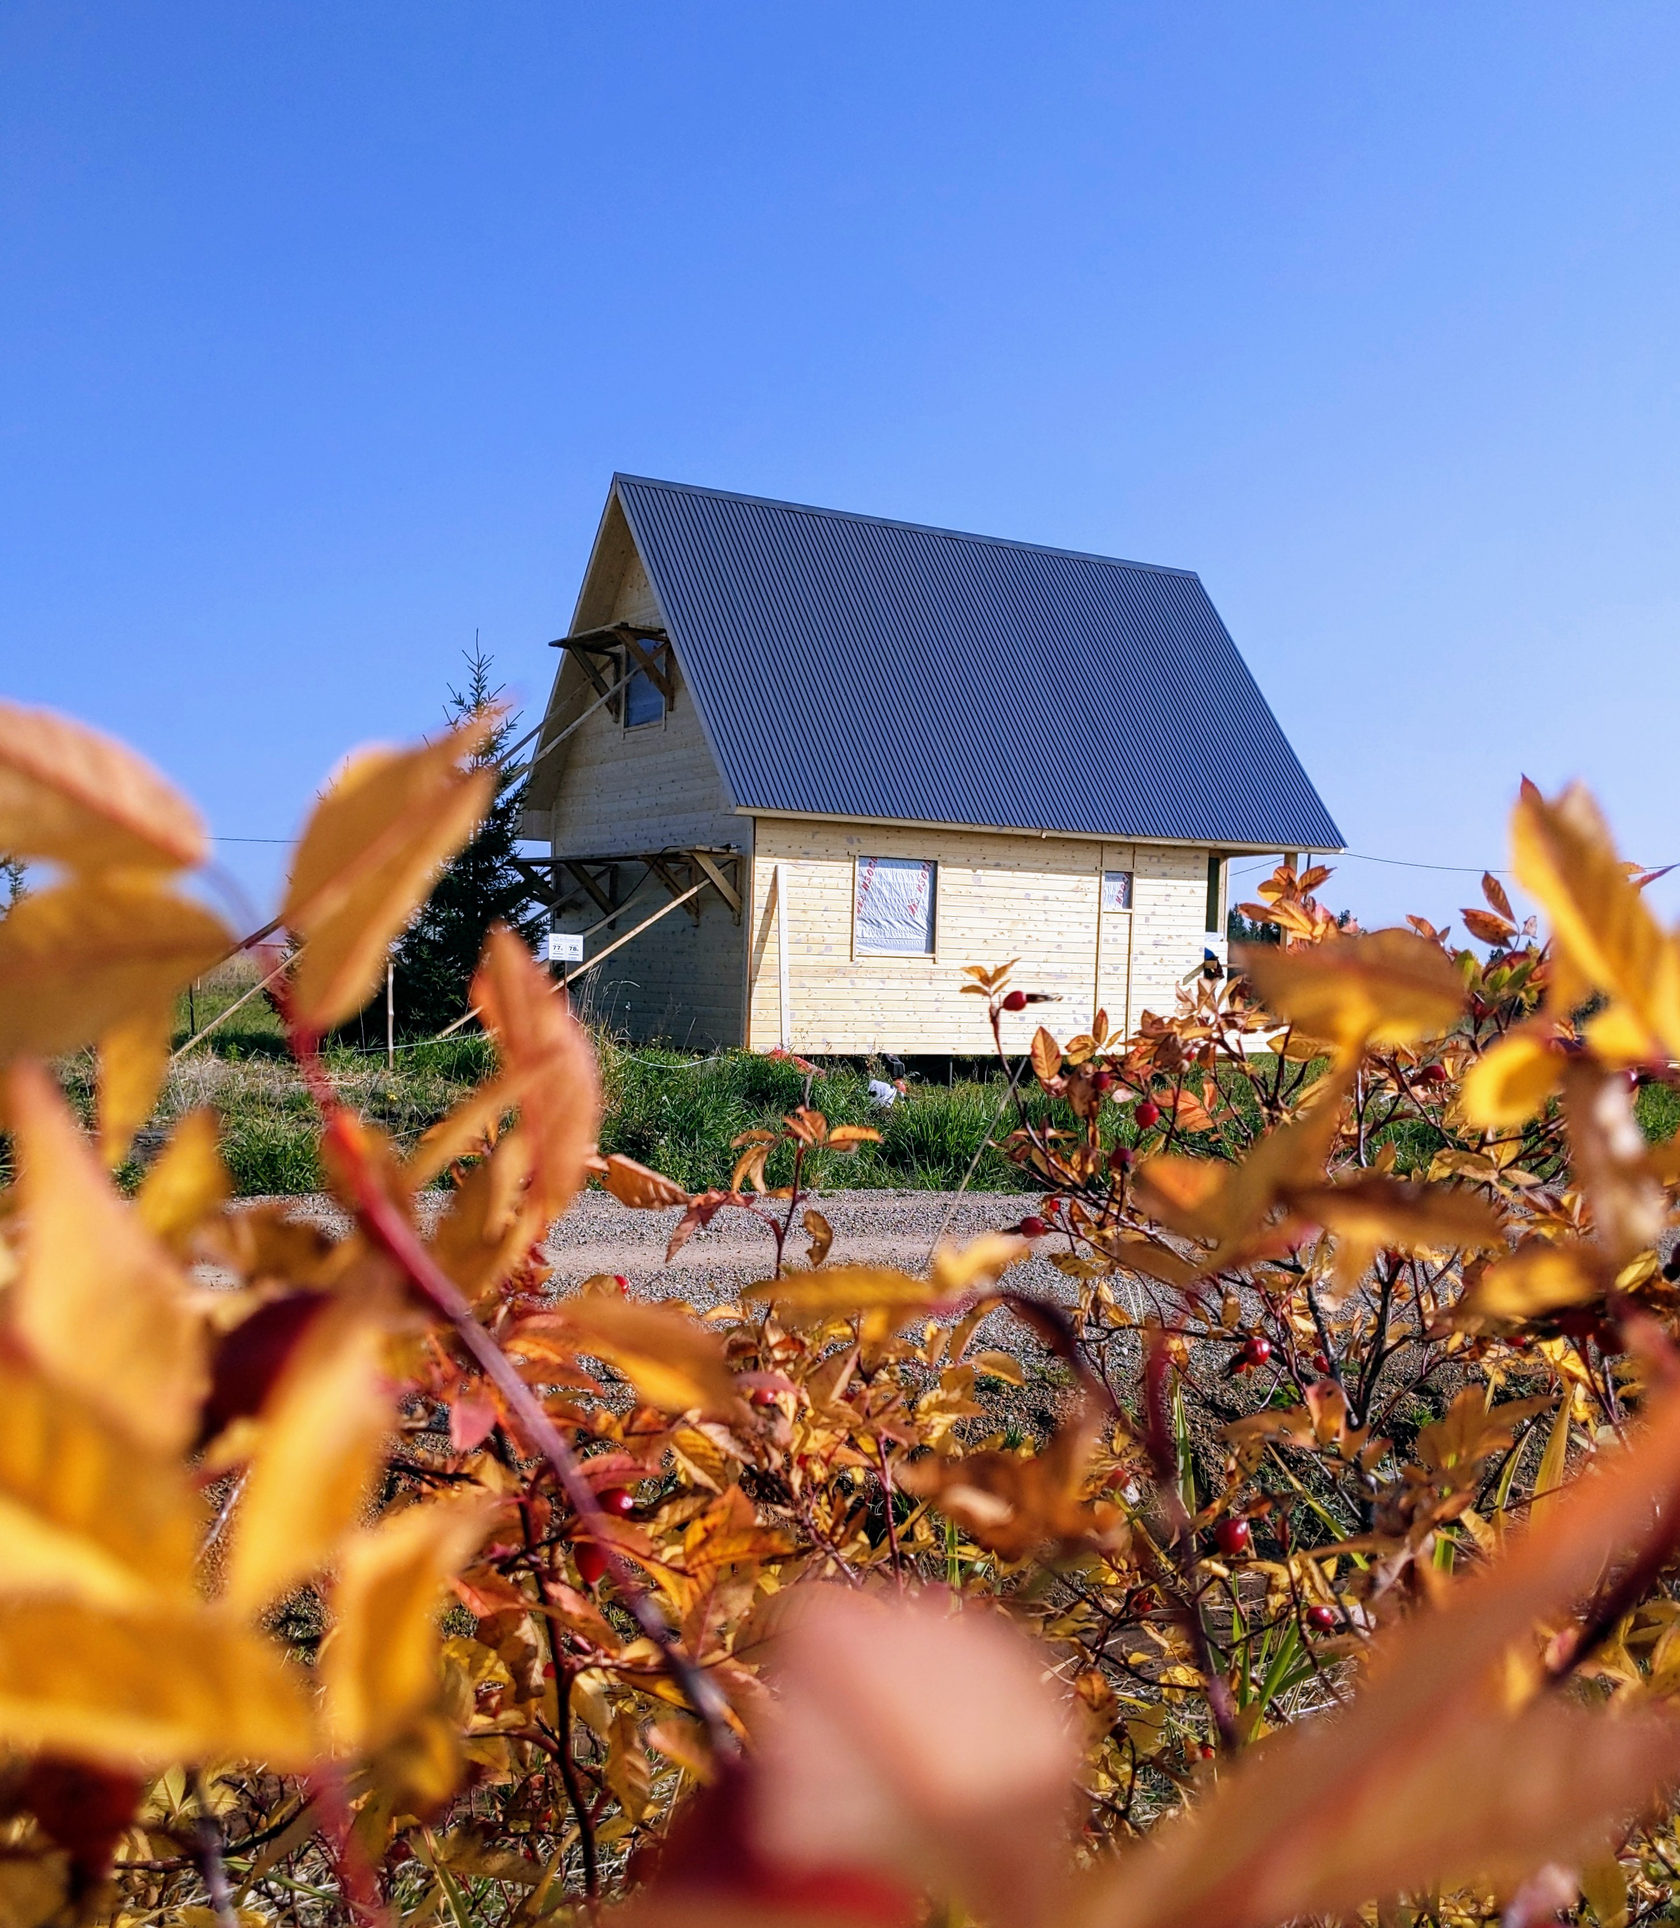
(799, 767)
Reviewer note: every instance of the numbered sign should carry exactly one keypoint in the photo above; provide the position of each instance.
(564, 947)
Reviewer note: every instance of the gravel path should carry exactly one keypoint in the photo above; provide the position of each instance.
(879, 1228)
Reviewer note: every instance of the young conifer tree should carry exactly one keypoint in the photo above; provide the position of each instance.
(438, 952)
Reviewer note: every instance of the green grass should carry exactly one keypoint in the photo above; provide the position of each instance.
(679, 1114)
(669, 1109)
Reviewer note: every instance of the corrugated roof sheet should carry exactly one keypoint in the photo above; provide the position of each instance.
(852, 667)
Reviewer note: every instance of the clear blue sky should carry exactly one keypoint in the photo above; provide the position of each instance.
(322, 328)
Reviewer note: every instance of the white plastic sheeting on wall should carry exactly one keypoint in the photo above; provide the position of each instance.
(893, 912)
(1117, 890)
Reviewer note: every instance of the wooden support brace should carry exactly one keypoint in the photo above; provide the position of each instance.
(721, 884)
(655, 663)
(603, 900)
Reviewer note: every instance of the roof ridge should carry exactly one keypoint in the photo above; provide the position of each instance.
(894, 522)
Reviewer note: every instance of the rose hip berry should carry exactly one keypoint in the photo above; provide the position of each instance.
(591, 1562)
(1121, 1159)
(1256, 1352)
(1148, 1113)
(1323, 1619)
(1032, 1226)
(615, 1500)
(1015, 1001)
(1233, 1537)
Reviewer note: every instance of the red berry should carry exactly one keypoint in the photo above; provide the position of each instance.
(591, 1562)
(1257, 1351)
(1148, 1113)
(1320, 1362)
(1433, 1074)
(1121, 1159)
(1323, 1619)
(1205, 1752)
(1102, 1080)
(615, 1500)
(1032, 1226)
(623, 1285)
(1233, 1536)
(1015, 1001)
(761, 1396)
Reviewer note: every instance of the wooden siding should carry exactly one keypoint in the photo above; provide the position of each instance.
(680, 982)
(998, 896)
(653, 788)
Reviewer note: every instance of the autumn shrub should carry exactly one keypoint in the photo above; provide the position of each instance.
(1311, 1555)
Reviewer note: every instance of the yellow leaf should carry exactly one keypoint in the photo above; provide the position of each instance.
(1536, 1278)
(388, 822)
(1395, 1213)
(83, 1510)
(1554, 1462)
(822, 1236)
(148, 1684)
(74, 796)
(672, 1361)
(548, 1059)
(957, 1270)
(98, 1302)
(380, 1662)
(133, 1057)
(83, 958)
(486, 1229)
(323, 1433)
(1381, 988)
(1564, 856)
(849, 1137)
(187, 1183)
(1605, 1887)
(841, 1290)
(1046, 1056)
(1516, 1077)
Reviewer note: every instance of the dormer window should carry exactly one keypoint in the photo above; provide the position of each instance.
(644, 701)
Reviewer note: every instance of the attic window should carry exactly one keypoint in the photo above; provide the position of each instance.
(892, 911)
(644, 701)
(1117, 890)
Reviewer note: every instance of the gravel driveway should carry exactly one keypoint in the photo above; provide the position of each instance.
(877, 1228)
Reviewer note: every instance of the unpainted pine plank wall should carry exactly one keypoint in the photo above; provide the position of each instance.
(1169, 911)
(999, 896)
(647, 789)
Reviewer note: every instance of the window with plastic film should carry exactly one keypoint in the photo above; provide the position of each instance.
(893, 907)
(1117, 890)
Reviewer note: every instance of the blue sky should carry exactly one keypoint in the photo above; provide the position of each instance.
(322, 329)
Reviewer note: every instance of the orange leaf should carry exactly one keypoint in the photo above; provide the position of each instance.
(548, 1060)
(1381, 987)
(74, 796)
(98, 1302)
(82, 959)
(1489, 928)
(1564, 855)
(638, 1187)
(388, 822)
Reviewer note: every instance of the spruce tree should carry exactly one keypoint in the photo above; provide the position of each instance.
(439, 951)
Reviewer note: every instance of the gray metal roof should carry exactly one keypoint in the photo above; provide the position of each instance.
(847, 666)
